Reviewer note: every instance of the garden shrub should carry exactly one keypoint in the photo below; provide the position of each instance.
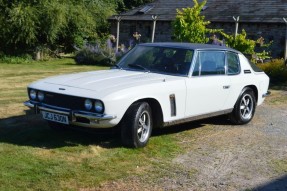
(25, 58)
(275, 69)
(95, 54)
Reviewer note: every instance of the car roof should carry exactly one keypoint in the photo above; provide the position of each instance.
(193, 46)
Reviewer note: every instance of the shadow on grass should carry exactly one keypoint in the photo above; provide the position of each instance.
(277, 184)
(32, 130)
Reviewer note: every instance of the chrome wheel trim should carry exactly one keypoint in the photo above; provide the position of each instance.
(144, 125)
(246, 107)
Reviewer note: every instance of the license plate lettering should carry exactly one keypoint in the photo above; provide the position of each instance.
(55, 117)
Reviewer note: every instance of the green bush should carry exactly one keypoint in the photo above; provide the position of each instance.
(26, 58)
(240, 42)
(95, 54)
(276, 70)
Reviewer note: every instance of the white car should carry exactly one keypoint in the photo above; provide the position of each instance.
(154, 85)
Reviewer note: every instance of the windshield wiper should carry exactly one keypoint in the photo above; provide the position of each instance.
(138, 66)
(116, 66)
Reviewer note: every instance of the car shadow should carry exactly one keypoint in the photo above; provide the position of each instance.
(276, 184)
(32, 130)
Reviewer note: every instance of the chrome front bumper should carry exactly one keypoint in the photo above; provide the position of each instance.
(75, 117)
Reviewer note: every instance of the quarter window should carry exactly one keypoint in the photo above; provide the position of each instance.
(232, 63)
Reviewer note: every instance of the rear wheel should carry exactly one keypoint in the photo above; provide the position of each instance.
(136, 126)
(244, 108)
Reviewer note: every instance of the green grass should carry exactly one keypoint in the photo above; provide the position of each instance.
(34, 157)
(280, 166)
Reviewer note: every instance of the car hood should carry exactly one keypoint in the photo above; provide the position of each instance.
(106, 79)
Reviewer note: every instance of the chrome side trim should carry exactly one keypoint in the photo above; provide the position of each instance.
(194, 118)
(266, 94)
(72, 114)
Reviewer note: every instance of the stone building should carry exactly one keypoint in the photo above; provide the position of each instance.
(259, 18)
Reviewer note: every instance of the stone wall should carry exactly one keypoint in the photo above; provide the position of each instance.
(269, 31)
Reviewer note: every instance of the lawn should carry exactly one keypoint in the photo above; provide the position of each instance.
(34, 157)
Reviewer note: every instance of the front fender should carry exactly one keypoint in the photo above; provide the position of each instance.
(118, 102)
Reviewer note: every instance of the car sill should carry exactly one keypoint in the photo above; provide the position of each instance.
(194, 118)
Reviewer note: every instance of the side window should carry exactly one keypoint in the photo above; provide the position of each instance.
(232, 63)
(210, 63)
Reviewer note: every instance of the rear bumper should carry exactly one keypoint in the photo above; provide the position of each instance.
(78, 118)
(266, 94)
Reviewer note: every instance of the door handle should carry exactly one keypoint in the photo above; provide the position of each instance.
(226, 87)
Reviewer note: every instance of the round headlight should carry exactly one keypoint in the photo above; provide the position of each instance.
(88, 104)
(33, 94)
(41, 96)
(99, 107)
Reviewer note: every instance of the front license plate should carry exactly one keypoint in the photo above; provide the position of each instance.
(55, 117)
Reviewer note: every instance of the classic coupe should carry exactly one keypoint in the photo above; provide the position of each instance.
(154, 85)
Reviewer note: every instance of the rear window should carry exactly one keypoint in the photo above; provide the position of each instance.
(254, 67)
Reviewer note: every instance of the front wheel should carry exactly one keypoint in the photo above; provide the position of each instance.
(244, 108)
(136, 126)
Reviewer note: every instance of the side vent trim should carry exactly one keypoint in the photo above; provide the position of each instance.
(247, 72)
(172, 105)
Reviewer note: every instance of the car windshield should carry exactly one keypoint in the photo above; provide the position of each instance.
(168, 60)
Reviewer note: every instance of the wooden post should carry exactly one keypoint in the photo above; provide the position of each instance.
(118, 18)
(154, 18)
(236, 25)
(285, 55)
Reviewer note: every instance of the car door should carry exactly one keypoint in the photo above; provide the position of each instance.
(209, 86)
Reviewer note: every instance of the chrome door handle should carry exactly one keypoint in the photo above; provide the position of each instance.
(226, 87)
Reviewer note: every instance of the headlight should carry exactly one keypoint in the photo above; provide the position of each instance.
(99, 107)
(33, 94)
(88, 104)
(41, 96)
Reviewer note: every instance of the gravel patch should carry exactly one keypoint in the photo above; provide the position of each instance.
(227, 157)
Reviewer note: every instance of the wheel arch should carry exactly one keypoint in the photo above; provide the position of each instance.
(255, 90)
(156, 109)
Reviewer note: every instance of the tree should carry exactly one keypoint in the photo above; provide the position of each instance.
(240, 42)
(30, 25)
(190, 26)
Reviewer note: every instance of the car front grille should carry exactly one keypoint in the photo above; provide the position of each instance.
(64, 101)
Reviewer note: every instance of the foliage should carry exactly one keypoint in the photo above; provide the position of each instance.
(25, 25)
(100, 53)
(240, 42)
(262, 49)
(26, 58)
(190, 26)
(96, 54)
(276, 70)
(261, 56)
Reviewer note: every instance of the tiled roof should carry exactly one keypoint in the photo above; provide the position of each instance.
(217, 10)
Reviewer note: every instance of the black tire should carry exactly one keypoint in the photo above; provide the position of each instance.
(57, 126)
(244, 108)
(136, 125)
